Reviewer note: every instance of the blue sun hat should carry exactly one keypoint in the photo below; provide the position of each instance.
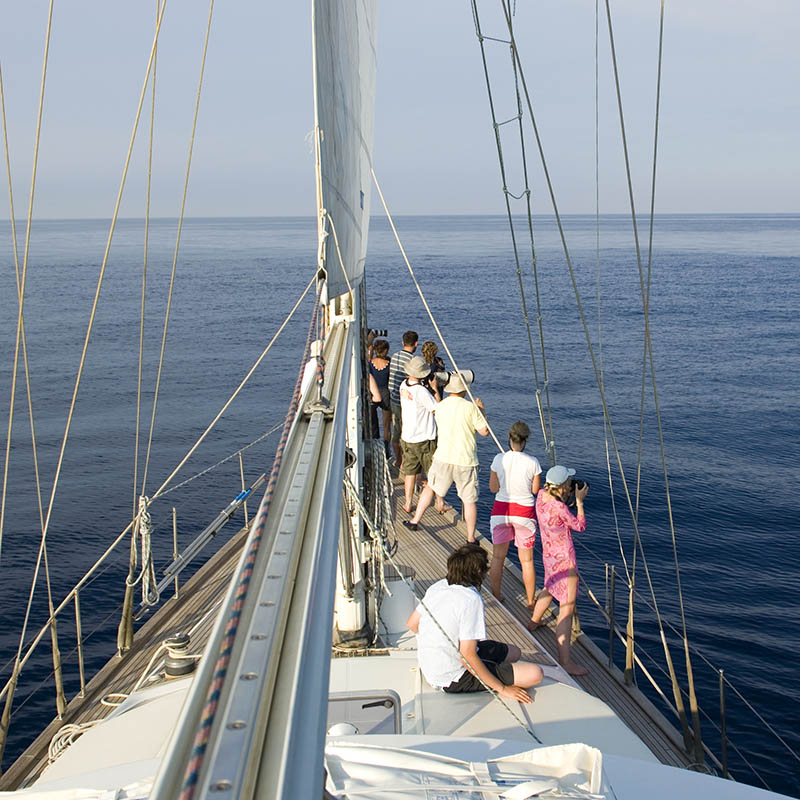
(558, 474)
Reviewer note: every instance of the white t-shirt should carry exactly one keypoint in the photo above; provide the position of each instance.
(459, 610)
(417, 405)
(516, 472)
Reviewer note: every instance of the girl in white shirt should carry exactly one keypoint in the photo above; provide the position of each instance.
(515, 480)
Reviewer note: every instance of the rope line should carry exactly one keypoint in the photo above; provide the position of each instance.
(177, 246)
(219, 463)
(161, 490)
(21, 340)
(94, 303)
(192, 773)
(137, 432)
(21, 280)
(380, 538)
(648, 345)
(425, 303)
(699, 653)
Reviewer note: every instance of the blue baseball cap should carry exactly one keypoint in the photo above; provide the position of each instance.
(558, 474)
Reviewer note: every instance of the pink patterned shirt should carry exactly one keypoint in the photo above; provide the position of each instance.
(558, 551)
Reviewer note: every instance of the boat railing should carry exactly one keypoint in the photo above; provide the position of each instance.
(174, 562)
(710, 678)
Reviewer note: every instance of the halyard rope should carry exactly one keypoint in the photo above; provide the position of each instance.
(94, 302)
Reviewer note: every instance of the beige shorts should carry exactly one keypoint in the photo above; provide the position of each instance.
(441, 477)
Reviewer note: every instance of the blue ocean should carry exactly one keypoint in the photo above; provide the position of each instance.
(724, 294)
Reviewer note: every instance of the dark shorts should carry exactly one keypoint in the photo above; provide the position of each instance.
(493, 654)
(417, 456)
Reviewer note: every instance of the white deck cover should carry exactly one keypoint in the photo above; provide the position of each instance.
(356, 768)
(560, 714)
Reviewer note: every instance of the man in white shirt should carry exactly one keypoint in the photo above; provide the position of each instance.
(455, 655)
(456, 456)
(418, 441)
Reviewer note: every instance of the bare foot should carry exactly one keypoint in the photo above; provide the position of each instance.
(407, 509)
(574, 669)
(444, 508)
(470, 541)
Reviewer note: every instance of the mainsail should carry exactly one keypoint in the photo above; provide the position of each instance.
(344, 84)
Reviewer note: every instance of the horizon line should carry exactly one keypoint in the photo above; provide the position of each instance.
(458, 214)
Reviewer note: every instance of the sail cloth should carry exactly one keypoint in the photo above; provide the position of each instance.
(344, 84)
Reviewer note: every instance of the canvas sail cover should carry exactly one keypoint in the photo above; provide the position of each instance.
(344, 77)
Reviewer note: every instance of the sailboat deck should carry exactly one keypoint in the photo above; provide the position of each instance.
(426, 551)
(193, 612)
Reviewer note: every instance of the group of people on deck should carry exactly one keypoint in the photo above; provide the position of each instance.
(432, 425)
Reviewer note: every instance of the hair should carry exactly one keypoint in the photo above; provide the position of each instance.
(381, 348)
(519, 432)
(467, 565)
(409, 338)
(429, 351)
(557, 489)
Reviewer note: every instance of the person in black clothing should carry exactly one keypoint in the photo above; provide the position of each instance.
(379, 389)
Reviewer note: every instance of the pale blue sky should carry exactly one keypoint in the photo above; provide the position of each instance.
(730, 105)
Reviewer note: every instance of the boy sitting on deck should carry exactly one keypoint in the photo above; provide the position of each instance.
(457, 605)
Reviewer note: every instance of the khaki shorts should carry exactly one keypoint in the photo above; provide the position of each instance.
(417, 456)
(441, 476)
(397, 423)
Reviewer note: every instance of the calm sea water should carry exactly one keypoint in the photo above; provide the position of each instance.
(724, 302)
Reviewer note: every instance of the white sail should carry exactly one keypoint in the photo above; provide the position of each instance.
(344, 81)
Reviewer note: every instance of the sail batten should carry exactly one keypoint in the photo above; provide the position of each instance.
(344, 89)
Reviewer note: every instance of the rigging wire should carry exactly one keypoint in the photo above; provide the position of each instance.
(22, 279)
(93, 310)
(21, 339)
(587, 335)
(597, 273)
(177, 245)
(219, 463)
(546, 424)
(648, 346)
(144, 276)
